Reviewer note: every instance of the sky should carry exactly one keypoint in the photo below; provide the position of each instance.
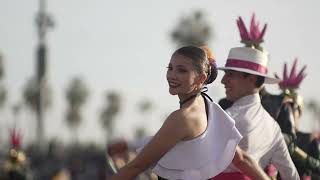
(125, 46)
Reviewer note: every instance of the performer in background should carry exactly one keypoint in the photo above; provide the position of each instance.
(16, 166)
(286, 108)
(288, 115)
(313, 150)
(245, 73)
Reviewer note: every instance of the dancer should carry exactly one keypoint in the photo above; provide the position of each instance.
(245, 73)
(197, 141)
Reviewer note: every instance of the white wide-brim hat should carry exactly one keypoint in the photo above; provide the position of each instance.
(249, 60)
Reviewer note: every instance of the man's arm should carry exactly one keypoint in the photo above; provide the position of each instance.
(308, 161)
(248, 166)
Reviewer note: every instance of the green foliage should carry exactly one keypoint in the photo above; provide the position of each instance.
(77, 92)
(192, 30)
(3, 92)
(140, 132)
(1, 67)
(30, 94)
(73, 117)
(145, 106)
(111, 108)
(3, 95)
(76, 95)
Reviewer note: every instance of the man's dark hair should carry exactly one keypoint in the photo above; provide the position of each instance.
(260, 79)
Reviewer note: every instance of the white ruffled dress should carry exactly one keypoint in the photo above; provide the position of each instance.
(205, 156)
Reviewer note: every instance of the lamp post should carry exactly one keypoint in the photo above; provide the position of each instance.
(43, 23)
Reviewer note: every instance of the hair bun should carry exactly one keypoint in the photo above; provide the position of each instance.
(212, 75)
(209, 54)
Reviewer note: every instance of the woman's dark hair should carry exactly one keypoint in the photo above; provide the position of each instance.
(202, 59)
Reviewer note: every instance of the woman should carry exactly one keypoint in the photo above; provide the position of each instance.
(197, 141)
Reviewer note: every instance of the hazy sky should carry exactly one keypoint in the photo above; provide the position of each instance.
(125, 46)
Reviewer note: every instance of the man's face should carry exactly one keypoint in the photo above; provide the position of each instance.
(237, 85)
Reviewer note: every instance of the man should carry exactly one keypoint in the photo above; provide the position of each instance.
(245, 73)
(286, 108)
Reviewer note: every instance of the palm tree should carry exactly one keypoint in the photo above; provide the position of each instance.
(1, 67)
(3, 95)
(111, 108)
(140, 132)
(76, 94)
(3, 92)
(144, 106)
(192, 30)
(30, 96)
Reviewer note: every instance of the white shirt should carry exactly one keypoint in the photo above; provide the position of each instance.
(262, 137)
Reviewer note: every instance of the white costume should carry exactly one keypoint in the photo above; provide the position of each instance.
(262, 137)
(205, 156)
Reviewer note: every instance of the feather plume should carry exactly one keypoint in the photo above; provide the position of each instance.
(254, 37)
(293, 80)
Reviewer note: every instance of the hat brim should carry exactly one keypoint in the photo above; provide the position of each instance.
(268, 79)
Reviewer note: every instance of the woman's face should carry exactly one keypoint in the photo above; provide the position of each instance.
(182, 76)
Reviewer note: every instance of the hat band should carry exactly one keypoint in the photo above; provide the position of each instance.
(246, 65)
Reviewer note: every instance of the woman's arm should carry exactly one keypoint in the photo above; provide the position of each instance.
(172, 131)
(248, 166)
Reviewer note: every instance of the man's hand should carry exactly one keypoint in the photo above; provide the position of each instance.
(117, 148)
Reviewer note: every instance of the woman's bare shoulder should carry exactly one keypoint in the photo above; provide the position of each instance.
(180, 119)
(179, 116)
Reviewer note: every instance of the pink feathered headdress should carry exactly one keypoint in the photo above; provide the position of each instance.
(254, 37)
(293, 80)
(15, 138)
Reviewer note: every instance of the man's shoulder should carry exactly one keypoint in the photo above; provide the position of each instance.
(225, 103)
